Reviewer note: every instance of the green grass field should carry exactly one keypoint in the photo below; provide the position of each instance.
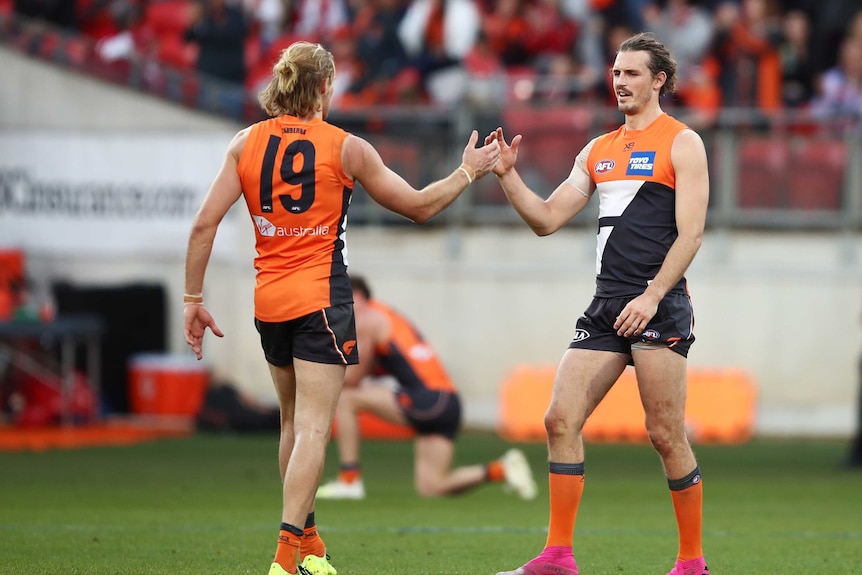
(211, 505)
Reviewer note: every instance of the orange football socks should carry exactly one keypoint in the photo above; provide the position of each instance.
(349, 473)
(289, 539)
(566, 484)
(312, 543)
(494, 471)
(687, 495)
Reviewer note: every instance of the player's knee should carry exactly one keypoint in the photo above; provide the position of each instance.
(426, 488)
(560, 424)
(664, 439)
(313, 432)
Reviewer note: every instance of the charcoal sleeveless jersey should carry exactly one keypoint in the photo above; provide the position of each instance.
(635, 182)
(297, 195)
(406, 355)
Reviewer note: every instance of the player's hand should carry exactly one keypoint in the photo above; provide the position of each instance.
(480, 159)
(196, 319)
(635, 316)
(508, 152)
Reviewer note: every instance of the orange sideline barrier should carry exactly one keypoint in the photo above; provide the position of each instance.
(720, 408)
(111, 433)
(373, 427)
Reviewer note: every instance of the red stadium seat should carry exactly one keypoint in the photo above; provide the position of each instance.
(763, 163)
(168, 17)
(6, 7)
(174, 51)
(816, 174)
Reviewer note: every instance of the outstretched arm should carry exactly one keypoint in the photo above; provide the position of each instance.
(543, 216)
(362, 162)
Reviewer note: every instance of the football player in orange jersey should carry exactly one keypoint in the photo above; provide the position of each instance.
(423, 397)
(652, 180)
(296, 173)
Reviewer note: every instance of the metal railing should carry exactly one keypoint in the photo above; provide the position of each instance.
(786, 170)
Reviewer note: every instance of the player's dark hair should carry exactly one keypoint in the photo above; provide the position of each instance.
(660, 59)
(359, 284)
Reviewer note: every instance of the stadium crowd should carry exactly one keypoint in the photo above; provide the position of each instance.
(763, 54)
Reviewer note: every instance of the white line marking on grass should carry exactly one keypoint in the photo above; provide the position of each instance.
(424, 529)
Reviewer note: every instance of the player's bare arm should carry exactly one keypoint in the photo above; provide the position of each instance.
(688, 156)
(223, 193)
(363, 163)
(543, 216)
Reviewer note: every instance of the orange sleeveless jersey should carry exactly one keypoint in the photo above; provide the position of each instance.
(407, 356)
(636, 186)
(297, 195)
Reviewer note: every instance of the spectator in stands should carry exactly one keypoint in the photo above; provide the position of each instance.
(219, 29)
(488, 84)
(423, 397)
(746, 45)
(296, 173)
(840, 88)
(57, 12)
(437, 35)
(350, 69)
(552, 44)
(829, 29)
(375, 27)
(687, 30)
(127, 44)
(97, 18)
(854, 29)
(317, 20)
(797, 66)
(628, 13)
(505, 27)
(550, 32)
(271, 18)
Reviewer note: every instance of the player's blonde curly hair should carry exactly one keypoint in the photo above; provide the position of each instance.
(296, 80)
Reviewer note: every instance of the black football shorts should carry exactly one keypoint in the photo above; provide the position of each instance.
(324, 336)
(672, 326)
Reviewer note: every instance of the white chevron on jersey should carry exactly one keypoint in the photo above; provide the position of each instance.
(614, 197)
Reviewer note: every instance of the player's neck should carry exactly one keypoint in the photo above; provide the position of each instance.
(643, 119)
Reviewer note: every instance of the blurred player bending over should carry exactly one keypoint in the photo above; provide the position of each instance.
(425, 399)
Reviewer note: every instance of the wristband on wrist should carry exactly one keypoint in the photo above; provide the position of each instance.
(469, 172)
(193, 298)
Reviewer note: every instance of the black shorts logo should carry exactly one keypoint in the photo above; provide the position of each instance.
(581, 335)
(650, 334)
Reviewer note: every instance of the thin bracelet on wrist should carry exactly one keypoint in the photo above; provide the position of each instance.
(468, 171)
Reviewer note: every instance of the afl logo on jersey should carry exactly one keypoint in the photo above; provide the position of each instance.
(604, 166)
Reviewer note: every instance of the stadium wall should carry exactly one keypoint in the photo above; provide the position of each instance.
(98, 186)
